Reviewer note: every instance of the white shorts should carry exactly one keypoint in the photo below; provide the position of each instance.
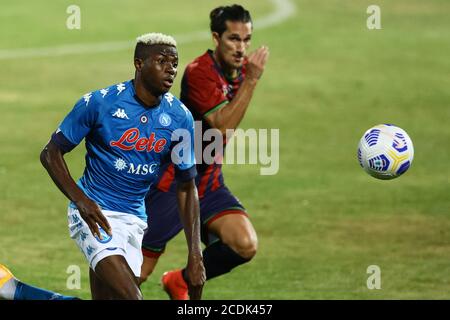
(126, 239)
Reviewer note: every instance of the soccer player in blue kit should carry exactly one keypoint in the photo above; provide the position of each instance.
(130, 130)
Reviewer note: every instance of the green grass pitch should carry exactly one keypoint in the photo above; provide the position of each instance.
(321, 220)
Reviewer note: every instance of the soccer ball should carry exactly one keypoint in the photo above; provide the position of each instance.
(385, 151)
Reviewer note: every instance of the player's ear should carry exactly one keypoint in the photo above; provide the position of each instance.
(216, 38)
(138, 63)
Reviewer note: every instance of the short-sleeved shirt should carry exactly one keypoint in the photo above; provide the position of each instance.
(204, 90)
(127, 142)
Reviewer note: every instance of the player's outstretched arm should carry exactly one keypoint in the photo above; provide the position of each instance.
(230, 116)
(52, 158)
(190, 216)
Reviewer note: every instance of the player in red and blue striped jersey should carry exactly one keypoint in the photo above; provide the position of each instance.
(217, 88)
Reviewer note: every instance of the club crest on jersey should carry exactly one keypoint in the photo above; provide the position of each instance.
(165, 120)
(131, 140)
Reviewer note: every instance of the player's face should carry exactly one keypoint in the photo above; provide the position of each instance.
(159, 70)
(232, 46)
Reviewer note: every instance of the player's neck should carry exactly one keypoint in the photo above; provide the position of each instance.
(144, 96)
(229, 73)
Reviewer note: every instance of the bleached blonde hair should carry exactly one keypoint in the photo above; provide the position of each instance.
(156, 38)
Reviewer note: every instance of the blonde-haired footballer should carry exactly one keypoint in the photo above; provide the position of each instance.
(130, 130)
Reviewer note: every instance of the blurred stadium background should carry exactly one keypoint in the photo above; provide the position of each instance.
(321, 220)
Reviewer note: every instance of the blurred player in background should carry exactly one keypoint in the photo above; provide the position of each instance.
(217, 88)
(130, 130)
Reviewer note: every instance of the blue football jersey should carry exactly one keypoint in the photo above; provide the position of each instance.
(126, 144)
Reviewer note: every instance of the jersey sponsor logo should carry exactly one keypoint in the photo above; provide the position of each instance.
(143, 169)
(144, 119)
(120, 87)
(165, 120)
(139, 169)
(131, 139)
(104, 92)
(120, 164)
(169, 98)
(120, 113)
(87, 97)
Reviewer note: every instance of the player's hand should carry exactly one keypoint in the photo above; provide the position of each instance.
(256, 62)
(93, 216)
(196, 275)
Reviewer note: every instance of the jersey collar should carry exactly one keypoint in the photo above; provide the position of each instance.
(138, 100)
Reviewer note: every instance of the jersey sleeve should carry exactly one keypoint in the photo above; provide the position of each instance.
(182, 151)
(77, 124)
(203, 93)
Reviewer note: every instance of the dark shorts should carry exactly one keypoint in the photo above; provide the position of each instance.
(164, 220)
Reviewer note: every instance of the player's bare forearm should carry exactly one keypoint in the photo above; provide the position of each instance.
(229, 116)
(52, 158)
(190, 216)
(189, 213)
